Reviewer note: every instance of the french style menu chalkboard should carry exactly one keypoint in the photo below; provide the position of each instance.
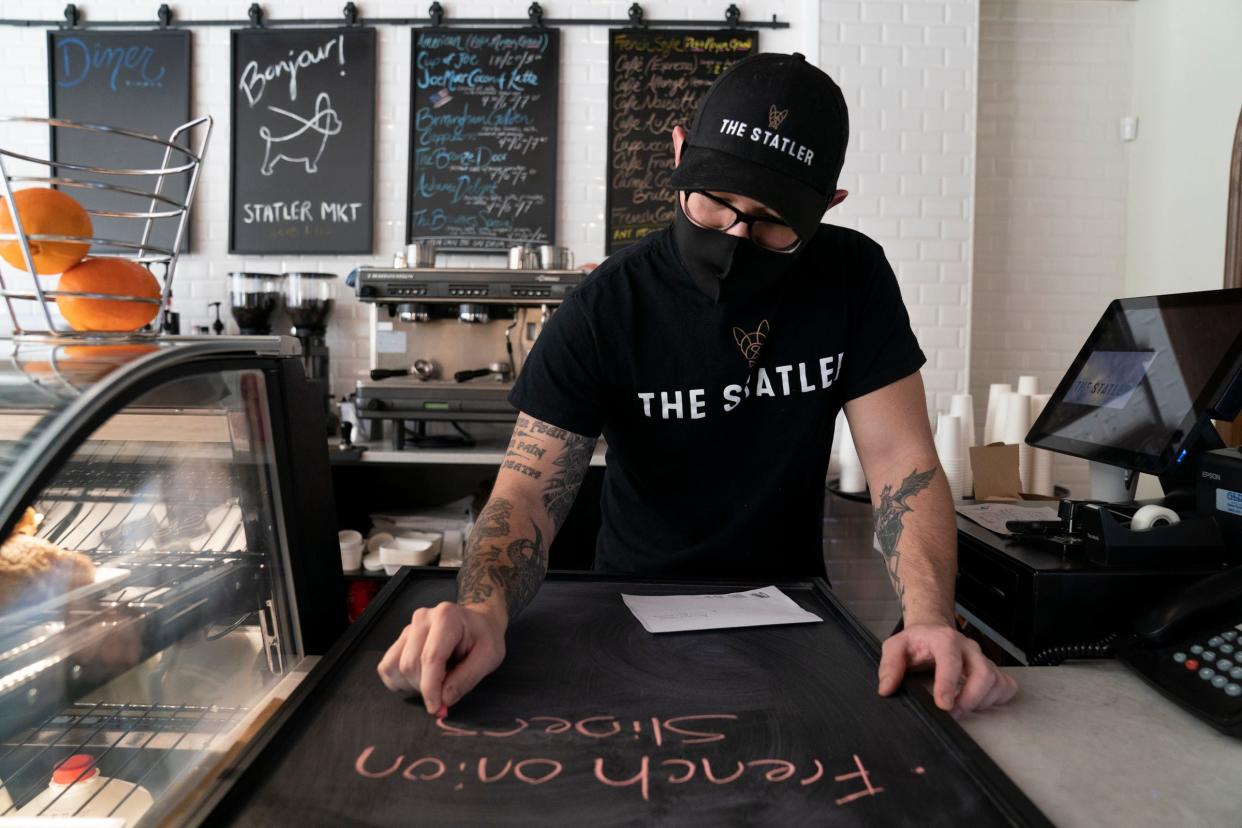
(483, 126)
(591, 720)
(137, 80)
(303, 143)
(655, 80)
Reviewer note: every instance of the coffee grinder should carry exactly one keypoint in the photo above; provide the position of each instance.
(252, 300)
(309, 301)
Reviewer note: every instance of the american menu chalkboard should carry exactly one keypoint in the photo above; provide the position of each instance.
(655, 80)
(483, 128)
(137, 80)
(303, 143)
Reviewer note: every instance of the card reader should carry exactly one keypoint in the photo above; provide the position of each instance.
(1220, 492)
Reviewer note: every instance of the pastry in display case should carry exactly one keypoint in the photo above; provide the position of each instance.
(169, 568)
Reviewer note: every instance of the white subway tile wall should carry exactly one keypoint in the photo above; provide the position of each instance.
(1054, 83)
(908, 71)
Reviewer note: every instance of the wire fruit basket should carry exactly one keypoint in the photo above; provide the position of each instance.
(114, 192)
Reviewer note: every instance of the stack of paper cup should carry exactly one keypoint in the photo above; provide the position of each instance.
(1041, 459)
(962, 406)
(996, 410)
(1028, 384)
(1017, 419)
(852, 478)
(949, 447)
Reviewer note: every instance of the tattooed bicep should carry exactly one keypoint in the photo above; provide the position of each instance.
(551, 458)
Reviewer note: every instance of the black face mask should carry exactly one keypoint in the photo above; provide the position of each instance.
(727, 268)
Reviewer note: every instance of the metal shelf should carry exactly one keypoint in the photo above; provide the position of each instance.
(144, 744)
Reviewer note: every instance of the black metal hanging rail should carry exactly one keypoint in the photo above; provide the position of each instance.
(73, 20)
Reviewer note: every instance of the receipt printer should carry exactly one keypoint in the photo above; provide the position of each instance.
(1220, 492)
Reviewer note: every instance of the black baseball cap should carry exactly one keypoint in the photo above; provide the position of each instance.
(773, 128)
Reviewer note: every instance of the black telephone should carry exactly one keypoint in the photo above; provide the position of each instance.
(1190, 649)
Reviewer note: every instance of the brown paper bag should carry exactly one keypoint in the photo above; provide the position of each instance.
(995, 468)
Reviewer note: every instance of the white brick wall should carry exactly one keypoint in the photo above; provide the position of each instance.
(1054, 81)
(908, 71)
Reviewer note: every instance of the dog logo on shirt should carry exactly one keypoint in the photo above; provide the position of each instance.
(751, 343)
(776, 117)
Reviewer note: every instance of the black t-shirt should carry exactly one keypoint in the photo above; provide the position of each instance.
(704, 478)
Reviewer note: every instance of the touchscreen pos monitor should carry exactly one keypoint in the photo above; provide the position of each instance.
(1143, 390)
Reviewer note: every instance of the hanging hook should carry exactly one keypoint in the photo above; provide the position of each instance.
(636, 15)
(255, 12)
(436, 12)
(72, 16)
(535, 13)
(164, 15)
(733, 16)
(351, 14)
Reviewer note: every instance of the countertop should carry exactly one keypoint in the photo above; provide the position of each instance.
(1092, 745)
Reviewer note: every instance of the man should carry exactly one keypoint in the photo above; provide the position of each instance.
(714, 356)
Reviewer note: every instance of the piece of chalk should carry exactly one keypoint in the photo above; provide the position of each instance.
(442, 712)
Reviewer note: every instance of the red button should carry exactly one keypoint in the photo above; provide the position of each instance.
(1192, 664)
(77, 768)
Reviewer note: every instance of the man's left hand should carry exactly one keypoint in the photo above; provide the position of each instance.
(965, 678)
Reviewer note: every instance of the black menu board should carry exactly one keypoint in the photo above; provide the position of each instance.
(303, 143)
(483, 121)
(136, 80)
(655, 80)
(593, 721)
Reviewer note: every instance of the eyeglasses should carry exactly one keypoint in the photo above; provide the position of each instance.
(714, 213)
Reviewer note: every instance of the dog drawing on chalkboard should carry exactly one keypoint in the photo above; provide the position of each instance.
(306, 142)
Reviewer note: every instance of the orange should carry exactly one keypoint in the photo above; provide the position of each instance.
(49, 212)
(116, 276)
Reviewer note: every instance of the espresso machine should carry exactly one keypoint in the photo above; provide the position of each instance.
(446, 343)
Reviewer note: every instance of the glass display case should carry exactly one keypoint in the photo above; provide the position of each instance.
(169, 568)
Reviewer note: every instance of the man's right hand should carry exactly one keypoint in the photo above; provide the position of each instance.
(504, 563)
(471, 637)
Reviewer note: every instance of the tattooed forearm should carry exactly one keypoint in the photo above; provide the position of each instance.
(571, 468)
(889, 513)
(515, 569)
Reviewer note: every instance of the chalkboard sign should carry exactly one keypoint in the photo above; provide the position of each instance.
(136, 80)
(655, 80)
(591, 720)
(483, 120)
(303, 141)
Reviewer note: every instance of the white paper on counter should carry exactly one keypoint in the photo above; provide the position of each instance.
(994, 516)
(753, 608)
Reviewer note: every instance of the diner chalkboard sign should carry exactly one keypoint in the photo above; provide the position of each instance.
(483, 121)
(136, 80)
(591, 720)
(303, 143)
(655, 80)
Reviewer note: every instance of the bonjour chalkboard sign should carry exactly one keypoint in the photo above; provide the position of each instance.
(655, 80)
(483, 126)
(593, 721)
(303, 142)
(136, 80)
